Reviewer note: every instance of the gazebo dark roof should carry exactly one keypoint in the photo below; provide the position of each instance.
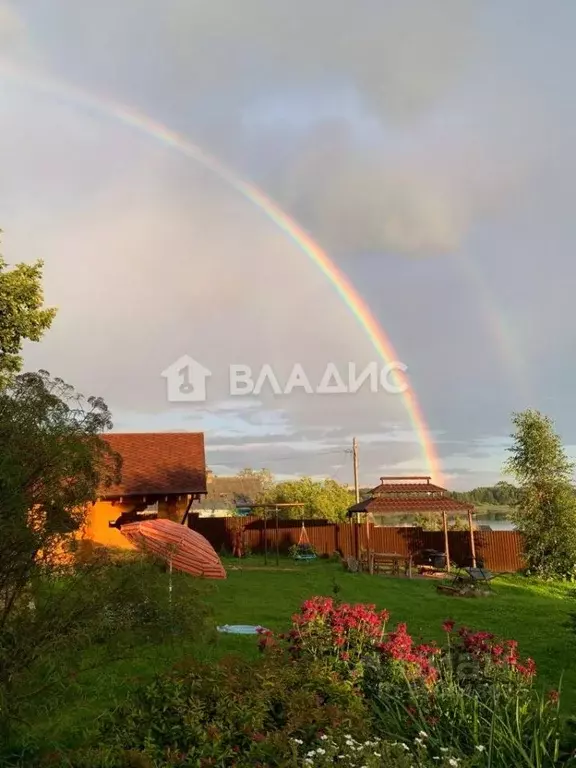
(397, 495)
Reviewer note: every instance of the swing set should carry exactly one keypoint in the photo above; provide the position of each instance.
(301, 552)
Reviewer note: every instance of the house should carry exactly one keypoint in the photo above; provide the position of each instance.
(224, 494)
(163, 473)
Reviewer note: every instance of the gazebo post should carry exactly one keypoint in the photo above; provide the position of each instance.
(368, 555)
(446, 544)
(472, 542)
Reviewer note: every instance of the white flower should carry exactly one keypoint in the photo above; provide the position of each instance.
(406, 747)
(323, 737)
(423, 734)
(443, 749)
(453, 762)
(377, 754)
(435, 757)
(298, 741)
(321, 751)
(418, 741)
(311, 753)
(480, 747)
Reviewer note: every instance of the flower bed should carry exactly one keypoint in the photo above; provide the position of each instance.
(473, 696)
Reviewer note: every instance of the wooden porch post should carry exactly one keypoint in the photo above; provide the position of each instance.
(472, 542)
(446, 544)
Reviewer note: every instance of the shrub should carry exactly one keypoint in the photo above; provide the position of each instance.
(471, 698)
(110, 607)
(474, 698)
(336, 635)
(234, 712)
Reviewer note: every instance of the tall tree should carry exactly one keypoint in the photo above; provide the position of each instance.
(546, 510)
(52, 462)
(325, 499)
(22, 315)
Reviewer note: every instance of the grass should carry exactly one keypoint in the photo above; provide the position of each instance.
(539, 616)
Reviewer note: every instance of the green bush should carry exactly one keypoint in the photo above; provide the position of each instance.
(91, 614)
(473, 699)
(234, 712)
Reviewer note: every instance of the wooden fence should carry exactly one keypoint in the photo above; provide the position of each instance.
(501, 551)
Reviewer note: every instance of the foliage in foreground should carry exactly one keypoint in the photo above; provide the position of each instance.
(234, 712)
(341, 688)
(474, 697)
(85, 617)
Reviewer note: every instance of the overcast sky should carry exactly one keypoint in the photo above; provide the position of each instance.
(427, 147)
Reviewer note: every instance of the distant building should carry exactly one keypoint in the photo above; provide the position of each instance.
(224, 494)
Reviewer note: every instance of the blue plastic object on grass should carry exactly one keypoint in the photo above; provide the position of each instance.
(240, 629)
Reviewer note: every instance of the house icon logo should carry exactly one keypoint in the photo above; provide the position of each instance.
(186, 381)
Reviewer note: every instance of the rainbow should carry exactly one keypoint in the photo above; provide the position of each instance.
(319, 257)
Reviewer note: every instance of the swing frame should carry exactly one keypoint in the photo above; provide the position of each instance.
(276, 508)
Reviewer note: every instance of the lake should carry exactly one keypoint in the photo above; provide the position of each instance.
(496, 519)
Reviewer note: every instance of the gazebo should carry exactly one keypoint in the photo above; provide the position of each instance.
(409, 495)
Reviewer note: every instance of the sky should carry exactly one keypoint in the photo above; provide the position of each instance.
(428, 148)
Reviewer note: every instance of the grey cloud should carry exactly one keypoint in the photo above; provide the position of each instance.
(401, 57)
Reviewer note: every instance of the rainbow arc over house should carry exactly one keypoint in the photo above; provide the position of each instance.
(156, 130)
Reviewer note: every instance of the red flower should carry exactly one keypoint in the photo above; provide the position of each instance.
(553, 697)
(448, 625)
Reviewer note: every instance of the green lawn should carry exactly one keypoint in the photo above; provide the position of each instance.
(538, 616)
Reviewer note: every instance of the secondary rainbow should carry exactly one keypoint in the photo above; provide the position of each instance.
(316, 254)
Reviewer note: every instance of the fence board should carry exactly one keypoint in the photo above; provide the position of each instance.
(501, 551)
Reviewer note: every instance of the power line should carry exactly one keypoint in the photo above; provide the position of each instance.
(298, 455)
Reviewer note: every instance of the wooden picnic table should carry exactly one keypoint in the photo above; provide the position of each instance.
(387, 562)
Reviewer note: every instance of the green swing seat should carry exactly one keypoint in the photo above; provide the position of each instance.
(304, 549)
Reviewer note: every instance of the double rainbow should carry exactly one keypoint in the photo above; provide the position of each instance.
(315, 253)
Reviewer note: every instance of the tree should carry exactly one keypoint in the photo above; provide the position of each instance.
(21, 313)
(432, 521)
(546, 511)
(265, 476)
(52, 462)
(325, 499)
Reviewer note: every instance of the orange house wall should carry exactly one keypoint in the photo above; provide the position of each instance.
(97, 528)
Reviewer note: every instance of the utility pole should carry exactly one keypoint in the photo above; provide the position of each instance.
(355, 457)
(356, 484)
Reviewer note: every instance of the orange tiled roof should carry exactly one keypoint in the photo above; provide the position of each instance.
(158, 463)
